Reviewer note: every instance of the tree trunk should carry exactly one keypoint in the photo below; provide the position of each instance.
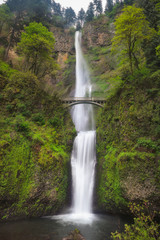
(136, 61)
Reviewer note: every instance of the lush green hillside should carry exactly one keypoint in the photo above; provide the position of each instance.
(128, 144)
(36, 141)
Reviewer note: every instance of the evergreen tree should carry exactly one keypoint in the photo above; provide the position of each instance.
(109, 6)
(70, 16)
(56, 8)
(81, 16)
(129, 2)
(98, 6)
(19, 10)
(17, 5)
(90, 12)
(39, 10)
(151, 11)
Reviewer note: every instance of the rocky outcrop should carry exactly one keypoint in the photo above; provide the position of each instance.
(64, 40)
(65, 51)
(97, 33)
(74, 235)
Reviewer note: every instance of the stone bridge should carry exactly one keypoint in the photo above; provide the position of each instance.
(69, 102)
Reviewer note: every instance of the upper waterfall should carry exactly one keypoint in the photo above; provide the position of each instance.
(82, 114)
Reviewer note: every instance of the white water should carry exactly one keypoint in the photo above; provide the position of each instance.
(83, 157)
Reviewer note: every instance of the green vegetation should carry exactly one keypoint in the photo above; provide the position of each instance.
(131, 30)
(143, 228)
(128, 145)
(37, 45)
(36, 132)
(127, 142)
(34, 153)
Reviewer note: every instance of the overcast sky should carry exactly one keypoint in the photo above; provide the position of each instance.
(75, 4)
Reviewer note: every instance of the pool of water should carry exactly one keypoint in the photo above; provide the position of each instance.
(93, 227)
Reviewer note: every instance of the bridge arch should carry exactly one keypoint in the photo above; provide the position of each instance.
(69, 102)
(84, 102)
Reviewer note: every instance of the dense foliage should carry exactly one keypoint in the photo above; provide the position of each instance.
(35, 145)
(131, 30)
(37, 45)
(143, 228)
(35, 130)
(128, 166)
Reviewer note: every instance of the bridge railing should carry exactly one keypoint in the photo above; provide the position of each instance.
(93, 99)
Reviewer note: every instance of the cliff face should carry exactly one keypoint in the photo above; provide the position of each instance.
(96, 42)
(65, 51)
(97, 33)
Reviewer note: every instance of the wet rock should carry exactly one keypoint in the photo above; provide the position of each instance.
(74, 235)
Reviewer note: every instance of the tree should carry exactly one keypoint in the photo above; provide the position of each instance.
(23, 12)
(70, 16)
(98, 6)
(18, 9)
(39, 10)
(151, 11)
(56, 8)
(128, 2)
(5, 15)
(132, 29)
(109, 6)
(81, 17)
(37, 45)
(90, 12)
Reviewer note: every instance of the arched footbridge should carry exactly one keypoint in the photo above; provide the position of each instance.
(69, 102)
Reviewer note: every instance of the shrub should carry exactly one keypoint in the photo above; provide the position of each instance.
(21, 125)
(143, 228)
(38, 118)
(55, 121)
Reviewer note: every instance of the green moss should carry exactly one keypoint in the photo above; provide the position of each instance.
(128, 145)
(34, 153)
(109, 192)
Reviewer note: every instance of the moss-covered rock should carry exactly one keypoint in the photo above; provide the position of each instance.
(36, 135)
(128, 146)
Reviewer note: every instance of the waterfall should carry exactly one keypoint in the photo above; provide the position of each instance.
(83, 156)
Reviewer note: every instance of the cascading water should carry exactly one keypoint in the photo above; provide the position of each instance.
(83, 157)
